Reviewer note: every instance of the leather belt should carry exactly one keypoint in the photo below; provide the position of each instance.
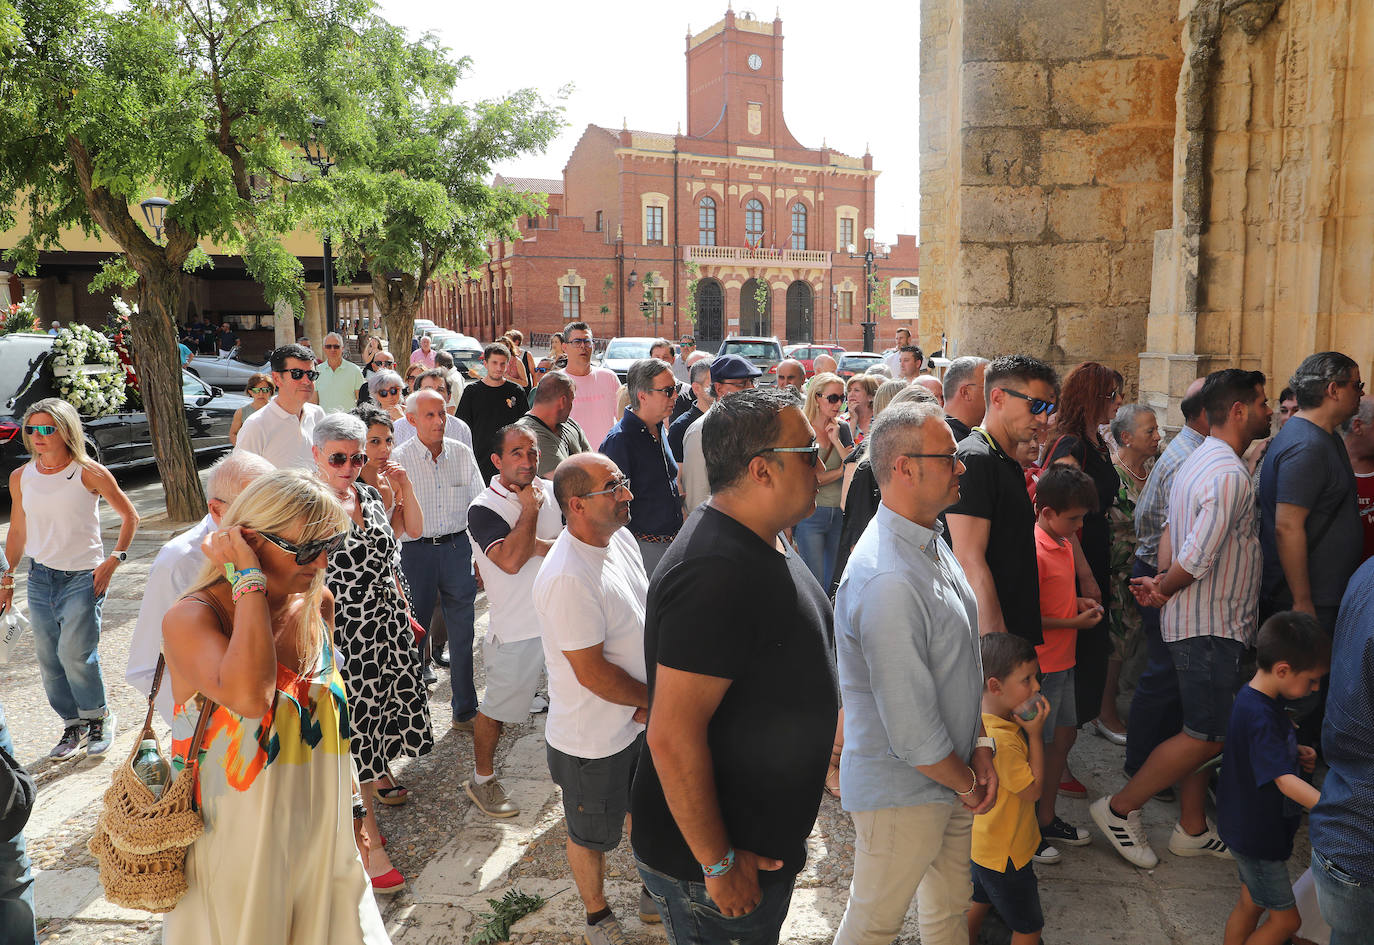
(443, 539)
(656, 539)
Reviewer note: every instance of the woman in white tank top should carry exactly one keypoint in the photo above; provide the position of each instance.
(55, 520)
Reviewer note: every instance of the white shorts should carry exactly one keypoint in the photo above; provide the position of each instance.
(513, 671)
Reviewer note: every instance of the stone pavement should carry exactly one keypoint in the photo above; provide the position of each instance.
(456, 858)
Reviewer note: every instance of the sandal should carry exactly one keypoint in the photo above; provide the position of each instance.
(393, 796)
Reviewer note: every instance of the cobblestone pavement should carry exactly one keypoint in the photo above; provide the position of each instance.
(456, 858)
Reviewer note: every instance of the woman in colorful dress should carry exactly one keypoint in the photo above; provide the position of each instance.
(277, 864)
(261, 390)
(1135, 432)
(387, 700)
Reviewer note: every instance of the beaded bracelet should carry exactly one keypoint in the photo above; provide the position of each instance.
(247, 586)
(232, 574)
(722, 867)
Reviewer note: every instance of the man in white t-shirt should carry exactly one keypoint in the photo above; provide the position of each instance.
(597, 387)
(590, 596)
(280, 432)
(892, 357)
(512, 526)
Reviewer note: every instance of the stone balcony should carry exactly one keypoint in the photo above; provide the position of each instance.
(723, 255)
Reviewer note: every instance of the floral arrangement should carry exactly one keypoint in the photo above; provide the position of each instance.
(20, 316)
(117, 326)
(94, 393)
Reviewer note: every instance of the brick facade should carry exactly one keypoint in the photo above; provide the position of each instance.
(736, 198)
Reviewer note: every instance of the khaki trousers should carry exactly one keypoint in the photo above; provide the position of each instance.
(905, 852)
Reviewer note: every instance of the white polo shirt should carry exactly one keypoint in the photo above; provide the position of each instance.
(279, 437)
(583, 596)
(491, 518)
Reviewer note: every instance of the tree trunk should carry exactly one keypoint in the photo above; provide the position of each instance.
(158, 367)
(398, 315)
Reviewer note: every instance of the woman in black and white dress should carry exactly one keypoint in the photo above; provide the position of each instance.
(387, 702)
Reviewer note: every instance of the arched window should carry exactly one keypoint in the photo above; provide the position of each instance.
(706, 222)
(753, 223)
(799, 226)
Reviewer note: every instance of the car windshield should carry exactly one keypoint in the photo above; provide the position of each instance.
(628, 349)
(854, 361)
(752, 349)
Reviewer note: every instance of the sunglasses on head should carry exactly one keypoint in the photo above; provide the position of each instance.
(42, 429)
(830, 398)
(309, 551)
(1037, 405)
(339, 459)
(298, 373)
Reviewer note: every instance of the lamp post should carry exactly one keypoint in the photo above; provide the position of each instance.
(870, 266)
(155, 212)
(317, 156)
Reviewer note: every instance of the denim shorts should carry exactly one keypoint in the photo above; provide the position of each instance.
(1210, 673)
(1014, 894)
(596, 794)
(1058, 690)
(1267, 881)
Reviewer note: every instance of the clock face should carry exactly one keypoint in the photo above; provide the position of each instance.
(755, 62)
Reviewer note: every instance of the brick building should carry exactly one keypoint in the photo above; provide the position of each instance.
(734, 222)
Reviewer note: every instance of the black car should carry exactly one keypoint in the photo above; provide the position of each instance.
(119, 440)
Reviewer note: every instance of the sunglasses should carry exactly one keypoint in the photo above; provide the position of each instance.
(665, 391)
(1037, 406)
(332, 347)
(339, 459)
(259, 390)
(42, 429)
(830, 398)
(298, 373)
(388, 391)
(622, 483)
(309, 551)
(812, 452)
(541, 370)
(580, 342)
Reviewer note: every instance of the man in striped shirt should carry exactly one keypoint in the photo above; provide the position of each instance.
(1208, 593)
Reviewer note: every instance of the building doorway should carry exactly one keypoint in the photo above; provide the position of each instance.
(754, 320)
(799, 305)
(710, 327)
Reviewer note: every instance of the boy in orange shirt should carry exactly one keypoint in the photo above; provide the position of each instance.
(1063, 496)
(1005, 838)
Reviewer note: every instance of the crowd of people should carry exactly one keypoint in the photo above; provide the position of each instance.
(907, 591)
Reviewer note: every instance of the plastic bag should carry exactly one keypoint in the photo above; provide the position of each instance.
(12, 627)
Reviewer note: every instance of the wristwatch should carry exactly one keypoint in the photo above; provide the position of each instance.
(986, 742)
(120, 556)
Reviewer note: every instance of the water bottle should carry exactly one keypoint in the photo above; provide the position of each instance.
(152, 769)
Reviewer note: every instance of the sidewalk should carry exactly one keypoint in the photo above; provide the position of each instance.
(456, 858)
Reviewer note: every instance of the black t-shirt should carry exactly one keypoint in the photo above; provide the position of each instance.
(486, 409)
(1096, 537)
(959, 428)
(993, 487)
(723, 603)
(685, 401)
(677, 430)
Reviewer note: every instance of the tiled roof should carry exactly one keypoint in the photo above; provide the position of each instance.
(531, 185)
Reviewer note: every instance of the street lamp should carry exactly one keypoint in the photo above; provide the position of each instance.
(155, 212)
(870, 266)
(318, 157)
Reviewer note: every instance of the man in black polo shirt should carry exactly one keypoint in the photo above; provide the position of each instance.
(992, 526)
(740, 654)
(489, 405)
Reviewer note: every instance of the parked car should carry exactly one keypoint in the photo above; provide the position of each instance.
(765, 353)
(807, 354)
(229, 373)
(119, 440)
(856, 362)
(622, 352)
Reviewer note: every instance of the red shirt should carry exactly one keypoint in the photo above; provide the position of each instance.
(1364, 488)
(1058, 599)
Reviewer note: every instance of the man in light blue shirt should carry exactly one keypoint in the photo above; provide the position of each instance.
(917, 764)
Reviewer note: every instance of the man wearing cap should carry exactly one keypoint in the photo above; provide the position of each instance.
(685, 347)
(730, 374)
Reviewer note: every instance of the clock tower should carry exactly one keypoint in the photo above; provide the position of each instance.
(734, 84)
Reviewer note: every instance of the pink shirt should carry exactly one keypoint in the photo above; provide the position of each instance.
(418, 356)
(594, 403)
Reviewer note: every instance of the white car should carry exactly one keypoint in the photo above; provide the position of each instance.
(229, 373)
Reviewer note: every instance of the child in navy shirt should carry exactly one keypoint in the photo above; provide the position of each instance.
(1260, 789)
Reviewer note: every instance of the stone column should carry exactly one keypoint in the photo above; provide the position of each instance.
(33, 288)
(284, 318)
(313, 325)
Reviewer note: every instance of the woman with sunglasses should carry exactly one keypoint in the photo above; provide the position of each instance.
(389, 479)
(55, 520)
(387, 391)
(387, 701)
(413, 374)
(818, 537)
(261, 390)
(254, 635)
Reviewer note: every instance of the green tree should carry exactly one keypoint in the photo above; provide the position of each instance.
(416, 205)
(111, 101)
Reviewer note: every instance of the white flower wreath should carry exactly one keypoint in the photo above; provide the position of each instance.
(92, 394)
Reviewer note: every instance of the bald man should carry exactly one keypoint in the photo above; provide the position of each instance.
(931, 383)
(824, 364)
(791, 374)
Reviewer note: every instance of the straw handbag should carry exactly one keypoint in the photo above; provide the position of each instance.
(140, 841)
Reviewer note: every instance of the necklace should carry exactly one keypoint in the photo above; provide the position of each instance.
(43, 465)
(1139, 477)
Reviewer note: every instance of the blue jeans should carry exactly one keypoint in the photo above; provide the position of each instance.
(65, 615)
(1347, 904)
(818, 541)
(1156, 707)
(691, 918)
(442, 574)
(16, 878)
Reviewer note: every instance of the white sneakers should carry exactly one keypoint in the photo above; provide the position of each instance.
(1182, 843)
(1127, 836)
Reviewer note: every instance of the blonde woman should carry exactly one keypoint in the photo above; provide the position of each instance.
(859, 394)
(818, 537)
(521, 357)
(276, 780)
(261, 390)
(55, 519)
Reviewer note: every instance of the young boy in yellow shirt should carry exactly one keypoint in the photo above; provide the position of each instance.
(1006, 837)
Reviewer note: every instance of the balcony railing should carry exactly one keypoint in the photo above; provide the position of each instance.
(716, 255)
